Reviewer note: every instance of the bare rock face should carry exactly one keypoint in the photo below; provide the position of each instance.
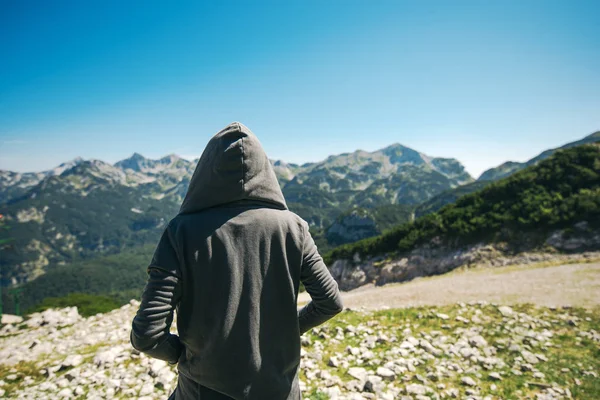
(580, 238)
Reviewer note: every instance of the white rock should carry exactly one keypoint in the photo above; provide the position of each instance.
(11, 319)
(506, 311)
(467, 380)
(358, 373)
(386, 373)
(72, 360)
(416, 389)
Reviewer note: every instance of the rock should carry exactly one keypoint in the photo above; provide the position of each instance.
(374, 384)
(416, 389)
(11, 319)
(506, 311)
(468, 381)
(442, 316)
(72, 360)
(478, 341)
(386, 373)
(106, 357)
(333, 362)
(156, 366)
(65, 393)
(358, 373)
(495, 376)
(529, 357)
(146, 389)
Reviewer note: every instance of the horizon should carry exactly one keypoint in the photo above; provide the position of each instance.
(484, 83)
(193, 158)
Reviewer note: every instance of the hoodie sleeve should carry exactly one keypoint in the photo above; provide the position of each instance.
(323, 289)
(150, 328)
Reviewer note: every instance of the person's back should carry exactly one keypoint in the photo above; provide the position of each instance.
(231, 263)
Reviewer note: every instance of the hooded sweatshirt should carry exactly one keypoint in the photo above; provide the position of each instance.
(230, 263)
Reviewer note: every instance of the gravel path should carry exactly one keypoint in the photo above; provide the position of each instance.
(574, 284)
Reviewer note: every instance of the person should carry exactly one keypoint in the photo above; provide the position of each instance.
(230, 263)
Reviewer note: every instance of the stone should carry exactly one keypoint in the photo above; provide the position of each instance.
(374, 384)
(386, 373)
(495, 376)
(529, 357)
(72, 360)
(11, 319)
(358, 373)
(478, 341)
(416, 389)
(468, 381)
(506, 311)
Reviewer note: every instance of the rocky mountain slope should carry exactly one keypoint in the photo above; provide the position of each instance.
(86, 208)
(476, 350)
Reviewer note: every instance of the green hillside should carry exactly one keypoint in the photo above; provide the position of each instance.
(556, 193)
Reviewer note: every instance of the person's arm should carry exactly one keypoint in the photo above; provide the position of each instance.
(323, 289)
(150, 327)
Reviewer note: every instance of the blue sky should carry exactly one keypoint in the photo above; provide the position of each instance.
(481, 81)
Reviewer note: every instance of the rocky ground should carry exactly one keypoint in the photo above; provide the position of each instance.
(476, 350)
(461, 335)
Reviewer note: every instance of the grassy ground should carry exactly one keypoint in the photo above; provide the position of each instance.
(573, 358)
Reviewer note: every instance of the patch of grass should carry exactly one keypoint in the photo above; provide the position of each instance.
(21, 370)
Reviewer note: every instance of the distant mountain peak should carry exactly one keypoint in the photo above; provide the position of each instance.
(135, 162)
(65, 166)
(169, 158)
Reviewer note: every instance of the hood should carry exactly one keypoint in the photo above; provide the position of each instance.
(233, 167)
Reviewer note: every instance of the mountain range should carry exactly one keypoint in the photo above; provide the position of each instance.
(86, 208)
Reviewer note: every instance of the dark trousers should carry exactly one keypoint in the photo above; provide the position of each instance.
(187, 389)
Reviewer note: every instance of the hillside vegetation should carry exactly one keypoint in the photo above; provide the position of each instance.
(556, 193)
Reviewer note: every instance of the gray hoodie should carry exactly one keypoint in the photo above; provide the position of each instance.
(231, 263)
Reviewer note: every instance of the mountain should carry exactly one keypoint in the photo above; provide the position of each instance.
(87, 208)
(451, 195)
(560, 192)
(16, 184)
(510, 167)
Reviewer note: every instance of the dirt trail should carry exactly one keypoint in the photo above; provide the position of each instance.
(574, 284)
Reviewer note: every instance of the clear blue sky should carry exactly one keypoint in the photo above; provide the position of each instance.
(482, 81)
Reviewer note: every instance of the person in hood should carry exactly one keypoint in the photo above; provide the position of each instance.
(231, 263)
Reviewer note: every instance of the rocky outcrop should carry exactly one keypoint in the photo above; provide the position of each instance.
(436, 259)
